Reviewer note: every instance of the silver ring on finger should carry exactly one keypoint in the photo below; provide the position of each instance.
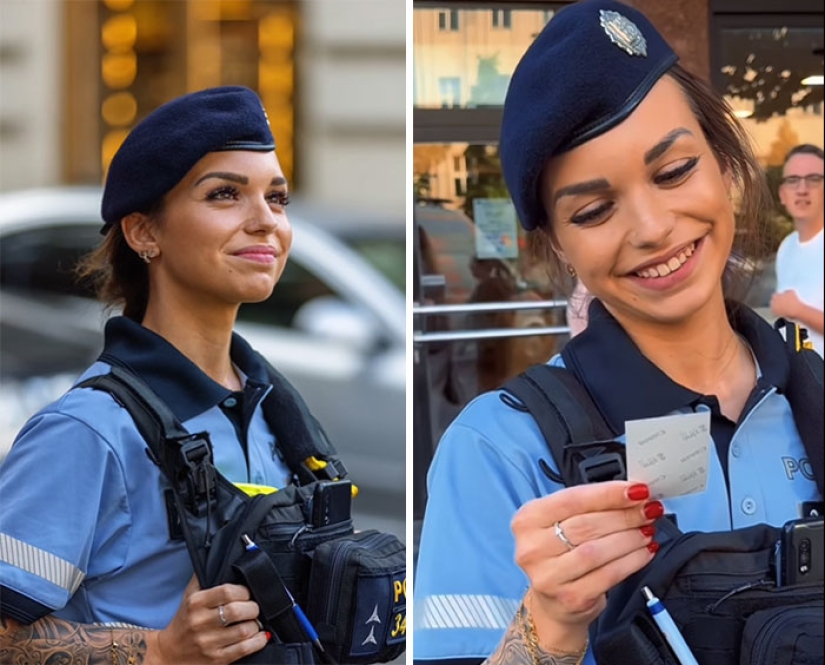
(222, 616)
(560, 535)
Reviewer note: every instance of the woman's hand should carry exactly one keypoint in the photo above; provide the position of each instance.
(609, 528)
(197, 633)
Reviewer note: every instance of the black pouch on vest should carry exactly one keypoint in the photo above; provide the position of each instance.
(719, 590)
(357, 597)
(784, 636)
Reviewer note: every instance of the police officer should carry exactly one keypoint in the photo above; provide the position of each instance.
(195, 224)
(622, 166)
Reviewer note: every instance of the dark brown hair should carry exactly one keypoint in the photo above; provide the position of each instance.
(120, 278)
(732, 148)
(804, 149)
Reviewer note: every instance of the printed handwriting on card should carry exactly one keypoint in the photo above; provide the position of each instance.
(670, 454)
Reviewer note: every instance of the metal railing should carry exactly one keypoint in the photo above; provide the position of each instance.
(487, 333)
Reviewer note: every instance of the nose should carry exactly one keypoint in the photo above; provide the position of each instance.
(650, 223)
(262, 219)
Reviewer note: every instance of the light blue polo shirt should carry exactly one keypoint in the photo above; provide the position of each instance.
(83, 525)
(467, 586)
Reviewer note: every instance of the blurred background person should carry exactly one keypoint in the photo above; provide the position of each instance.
(331, 76)
(800, 260)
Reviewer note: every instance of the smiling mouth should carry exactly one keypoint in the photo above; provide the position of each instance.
(670, 266)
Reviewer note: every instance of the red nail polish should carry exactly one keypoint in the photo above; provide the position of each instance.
(648, 530)
(638, 492)
(654, 509)
(268, 636)
(653, 547)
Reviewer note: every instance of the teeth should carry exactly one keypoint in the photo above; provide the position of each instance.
(672, 265)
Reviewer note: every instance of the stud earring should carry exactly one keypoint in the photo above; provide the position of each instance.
(571, 270)
(147, 255)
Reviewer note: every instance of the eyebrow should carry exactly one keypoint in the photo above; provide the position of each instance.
(586, 187)
(234, 177)
(664, 145)
(600, 184)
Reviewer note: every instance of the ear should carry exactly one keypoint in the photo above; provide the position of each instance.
(139, 231)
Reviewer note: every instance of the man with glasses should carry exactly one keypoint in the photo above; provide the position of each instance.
(799, 261)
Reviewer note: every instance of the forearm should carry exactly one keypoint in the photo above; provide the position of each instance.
(513, 649)
(811, 317)
(57, 641)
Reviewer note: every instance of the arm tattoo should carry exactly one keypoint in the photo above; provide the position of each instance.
(53, 641)
(512, 651)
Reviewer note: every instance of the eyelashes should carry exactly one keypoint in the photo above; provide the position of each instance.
(231, 193)
(672, 177)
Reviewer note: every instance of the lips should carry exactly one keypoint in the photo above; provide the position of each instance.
(671, 265)
(262, 251)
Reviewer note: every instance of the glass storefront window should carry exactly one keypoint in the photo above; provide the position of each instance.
(463, 58)
(473, 258)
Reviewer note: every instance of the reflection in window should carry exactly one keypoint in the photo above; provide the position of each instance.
(481, 57)
(502, 18)
(450, 92)
(448, 20)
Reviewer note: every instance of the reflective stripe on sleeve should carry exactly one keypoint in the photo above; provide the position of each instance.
(38, 562)
(465, 611)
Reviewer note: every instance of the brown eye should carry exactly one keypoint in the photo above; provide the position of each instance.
(222, 193)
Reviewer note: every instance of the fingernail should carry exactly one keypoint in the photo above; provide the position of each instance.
(654, 509)
(648, 530)
(653, 547)
(268, 636)
(638, 492)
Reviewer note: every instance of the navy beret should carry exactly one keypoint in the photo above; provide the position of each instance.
(583, 75)
(168, 142)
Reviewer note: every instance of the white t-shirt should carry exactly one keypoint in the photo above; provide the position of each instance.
(800, 266)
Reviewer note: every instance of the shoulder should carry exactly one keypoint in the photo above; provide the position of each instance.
(82, 418)
(490, 429)
(788, 244)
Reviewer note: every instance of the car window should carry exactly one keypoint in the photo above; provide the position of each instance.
(40, 261)
(42, 332)
(297, 286)
(387, 256)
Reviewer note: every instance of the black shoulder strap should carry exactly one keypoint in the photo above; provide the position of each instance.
(581, 442)
(303, 443)
(184, 459)
(806, 395)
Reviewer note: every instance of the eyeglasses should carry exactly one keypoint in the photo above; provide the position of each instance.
(812, 180)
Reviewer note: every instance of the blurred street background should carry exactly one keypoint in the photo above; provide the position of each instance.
(77, 75)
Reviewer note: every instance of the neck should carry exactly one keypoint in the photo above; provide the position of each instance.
(703, 354)
(202, 335)
(808, 228)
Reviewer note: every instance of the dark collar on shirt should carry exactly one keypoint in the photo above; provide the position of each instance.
(627, 386)
(177, 380)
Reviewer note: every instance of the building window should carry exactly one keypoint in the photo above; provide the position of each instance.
(502, 18)
(459, 187)
(449, 89)
(448, 20)
(458, 163)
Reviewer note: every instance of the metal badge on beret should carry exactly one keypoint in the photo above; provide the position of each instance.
(623, 33)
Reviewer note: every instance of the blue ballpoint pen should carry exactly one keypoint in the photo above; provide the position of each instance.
(309, 629)
(666, 624)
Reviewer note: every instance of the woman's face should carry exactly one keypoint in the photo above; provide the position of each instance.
(223, 235)
(643, 213)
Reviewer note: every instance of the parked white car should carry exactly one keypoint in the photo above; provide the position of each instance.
(334, 326)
